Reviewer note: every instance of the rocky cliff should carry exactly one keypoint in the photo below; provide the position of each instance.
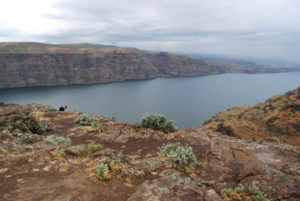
(38, 64)
(50, 155)
(279, 116)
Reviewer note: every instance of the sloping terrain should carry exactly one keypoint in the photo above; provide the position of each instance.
(279, 116)
(33, 166)
(39, 64)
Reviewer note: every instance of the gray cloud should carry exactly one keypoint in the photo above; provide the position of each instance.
(252, 28)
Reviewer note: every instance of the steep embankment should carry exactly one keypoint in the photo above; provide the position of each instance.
(46, 155)
(38, 64)
(279, 116)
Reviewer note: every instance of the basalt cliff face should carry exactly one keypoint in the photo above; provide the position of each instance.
(45, 155)
(38, 64)
(279, 116)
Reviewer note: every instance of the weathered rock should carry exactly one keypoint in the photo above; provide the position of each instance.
(278, 117)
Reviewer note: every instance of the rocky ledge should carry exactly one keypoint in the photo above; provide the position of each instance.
(51, 155)
(279, 116)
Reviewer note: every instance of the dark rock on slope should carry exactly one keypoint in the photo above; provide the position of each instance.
(38, 64)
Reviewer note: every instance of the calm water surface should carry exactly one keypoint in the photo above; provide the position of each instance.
(188, 101)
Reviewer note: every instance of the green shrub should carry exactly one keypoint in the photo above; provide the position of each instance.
(82, 150)
(257, 194)
(58, 140)
(95, 125)
(86, 150)
(287, 147)
(240, 189)
(228, 191)
(93, 147)
(119, 158)
(1, 110)
(157, 122)
(248, 140)
(101, 169)
(86, 120)
(181, 158)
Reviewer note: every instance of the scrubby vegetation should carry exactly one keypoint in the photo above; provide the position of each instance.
(22, 121)
(57, 140)
(102, 170)
(228, 191)
(41, 127)
(248, 140)
(240, 189)
(181, 158)
(86, 150)
(86, 120)
(157, 122)
(287, 146)
(257, 194)
(253, 191)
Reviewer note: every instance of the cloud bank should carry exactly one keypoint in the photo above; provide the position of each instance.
(249, 28)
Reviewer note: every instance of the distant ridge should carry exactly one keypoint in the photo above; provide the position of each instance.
(24, 64)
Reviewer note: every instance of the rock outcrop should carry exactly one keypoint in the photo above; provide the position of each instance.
(38, 64)
(226, 168)
(279, 116)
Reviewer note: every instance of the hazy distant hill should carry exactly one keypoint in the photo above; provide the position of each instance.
(38, 64)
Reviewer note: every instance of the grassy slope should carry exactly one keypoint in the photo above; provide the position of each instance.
(278, 116)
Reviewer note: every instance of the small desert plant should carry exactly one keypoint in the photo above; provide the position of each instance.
(240, 189)
(41, 127)
(28, 148)
(248, 140)
(60, 150)
(93, 147)
(157, 122)
(87, 131)
(82, 150)
(58, 140)
(257, 194)
(119, 158)
(228, 191)
(86, 150)
(102, 170)
(95, 125)
(287, 147)
(1, 110)
(86, 120)
(178, 156)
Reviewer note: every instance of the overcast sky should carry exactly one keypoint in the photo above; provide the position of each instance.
(246, 28)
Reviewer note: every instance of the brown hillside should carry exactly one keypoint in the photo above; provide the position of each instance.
(279, 116)
(46, 156)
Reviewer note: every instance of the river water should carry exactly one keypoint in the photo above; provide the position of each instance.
(189, 101)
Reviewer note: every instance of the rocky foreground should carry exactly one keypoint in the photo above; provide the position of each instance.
(279, 116)
(39, 64)
(46, 155)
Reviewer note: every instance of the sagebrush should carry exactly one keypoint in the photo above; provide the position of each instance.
(86, 120)
(181, 158)
(102, 170)
(158, 122)
(86, 150)
(57, 140)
